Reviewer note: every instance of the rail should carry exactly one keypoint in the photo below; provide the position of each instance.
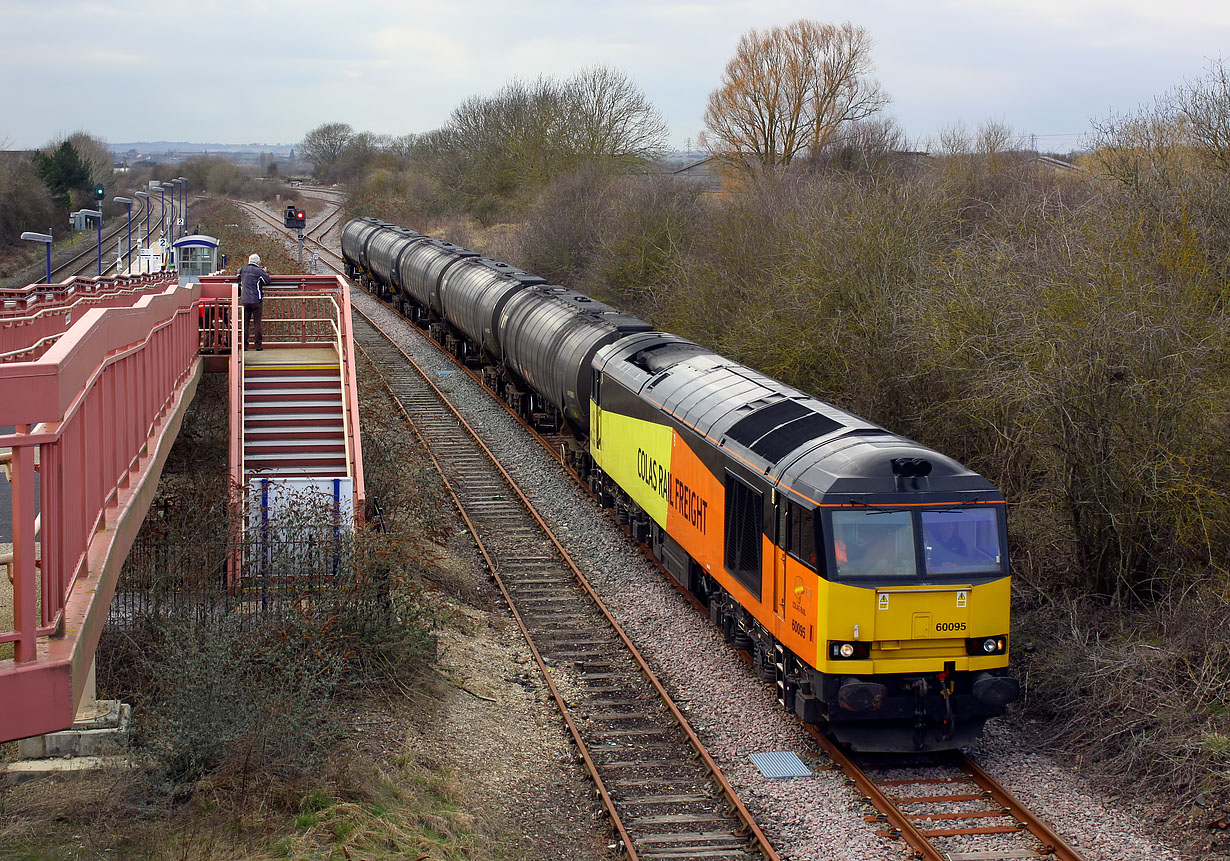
(486, 514)
(100, 408)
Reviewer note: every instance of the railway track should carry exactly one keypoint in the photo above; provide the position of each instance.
(85, 261)
(324, 226)
(666, 797)
(313, 236)
(944, 807)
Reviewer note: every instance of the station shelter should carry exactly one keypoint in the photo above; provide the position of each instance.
(196, 255)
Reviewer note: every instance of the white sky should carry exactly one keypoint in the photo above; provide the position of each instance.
(221, 71)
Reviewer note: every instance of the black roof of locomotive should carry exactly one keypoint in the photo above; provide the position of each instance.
(809, 447)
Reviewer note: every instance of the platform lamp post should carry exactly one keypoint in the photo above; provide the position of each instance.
(46, 239)
(162, 196)
(184, 209)
(96, 214)
(175, 186)
(128, 202)
(145, 197)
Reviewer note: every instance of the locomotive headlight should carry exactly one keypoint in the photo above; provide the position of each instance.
(987, 646)
(842, 651)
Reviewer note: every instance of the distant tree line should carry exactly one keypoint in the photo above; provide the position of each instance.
(497, 152)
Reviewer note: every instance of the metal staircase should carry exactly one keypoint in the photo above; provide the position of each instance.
(294, 413)
(293, 421)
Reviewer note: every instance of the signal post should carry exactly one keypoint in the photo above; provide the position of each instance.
(297, 219)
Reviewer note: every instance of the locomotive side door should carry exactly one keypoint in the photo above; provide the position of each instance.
(781, 534)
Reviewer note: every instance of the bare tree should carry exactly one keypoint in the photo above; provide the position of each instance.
(323, 145)
(1205, 105)
(788, 90)
(607, 117)
(94, 153)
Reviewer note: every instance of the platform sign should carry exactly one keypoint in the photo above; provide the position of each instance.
(149, 260)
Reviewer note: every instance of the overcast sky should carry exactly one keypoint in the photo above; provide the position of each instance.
(220, 71)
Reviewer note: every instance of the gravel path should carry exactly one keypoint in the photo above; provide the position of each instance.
(736, 714)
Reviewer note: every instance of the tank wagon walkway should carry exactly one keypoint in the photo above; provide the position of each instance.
(95, 378)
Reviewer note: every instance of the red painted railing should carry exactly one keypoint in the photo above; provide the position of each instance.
(100, 406)
(33, 317)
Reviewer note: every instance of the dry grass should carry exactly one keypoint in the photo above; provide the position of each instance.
(1143, 693)
(352, 809)
(407, 813)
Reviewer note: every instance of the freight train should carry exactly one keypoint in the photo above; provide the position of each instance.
(866, 575)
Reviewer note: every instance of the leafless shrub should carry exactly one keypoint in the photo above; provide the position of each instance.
(1141, 693)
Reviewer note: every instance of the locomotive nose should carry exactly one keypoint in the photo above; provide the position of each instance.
(996, 691)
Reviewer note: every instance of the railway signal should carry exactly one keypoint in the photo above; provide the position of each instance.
(297, 219)
(99, 192)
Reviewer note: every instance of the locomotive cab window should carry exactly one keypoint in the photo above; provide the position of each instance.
(945, 542)
(744, 524)
(801, 537)
(874, 544)
(965, 541)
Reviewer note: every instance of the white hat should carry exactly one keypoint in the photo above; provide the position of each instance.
(254, 259)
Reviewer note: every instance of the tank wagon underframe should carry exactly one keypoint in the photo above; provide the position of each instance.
(864, 574)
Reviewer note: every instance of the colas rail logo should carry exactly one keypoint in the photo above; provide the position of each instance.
(657, 477)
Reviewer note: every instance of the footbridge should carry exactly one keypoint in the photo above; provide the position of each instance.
(95, 378)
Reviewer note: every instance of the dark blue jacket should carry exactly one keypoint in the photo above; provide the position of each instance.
(252, 281)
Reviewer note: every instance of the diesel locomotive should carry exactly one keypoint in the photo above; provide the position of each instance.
(865, 574)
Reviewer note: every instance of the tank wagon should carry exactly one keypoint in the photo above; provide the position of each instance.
(865, 574)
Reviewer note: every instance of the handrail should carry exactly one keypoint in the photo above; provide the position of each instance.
(91, 296)
(31, 293)
(88, 405)
(236, 427)
(338, 343)
(25, 334)
(6, 559)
